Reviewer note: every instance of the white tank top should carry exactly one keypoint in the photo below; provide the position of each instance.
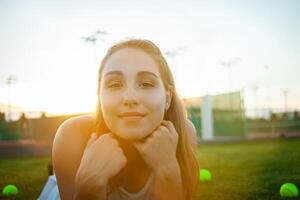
(50, 191)
(144, 194)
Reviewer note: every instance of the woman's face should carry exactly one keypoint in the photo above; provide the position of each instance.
(133, 97)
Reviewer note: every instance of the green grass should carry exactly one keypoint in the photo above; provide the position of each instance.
(244, 170)
(28, 174)
(249, 170)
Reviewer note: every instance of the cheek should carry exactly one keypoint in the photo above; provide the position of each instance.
(155, 104)
(109, 103)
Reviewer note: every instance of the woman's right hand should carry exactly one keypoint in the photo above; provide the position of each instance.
(102, 159)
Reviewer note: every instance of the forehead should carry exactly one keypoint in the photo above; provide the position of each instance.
(130, 61)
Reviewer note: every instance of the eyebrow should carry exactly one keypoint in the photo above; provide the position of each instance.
(141, 73)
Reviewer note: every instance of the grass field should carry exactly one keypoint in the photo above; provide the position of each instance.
(244, 170)
(249, 170)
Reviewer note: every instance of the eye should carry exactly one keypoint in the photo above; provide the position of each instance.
(146, 84)
(115, 85)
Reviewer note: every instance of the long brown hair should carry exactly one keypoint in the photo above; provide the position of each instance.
(186, 156)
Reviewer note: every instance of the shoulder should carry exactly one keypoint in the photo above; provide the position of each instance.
(190, 126)
(79, 122)
(74, 130)
(192, 133)
(68, 147)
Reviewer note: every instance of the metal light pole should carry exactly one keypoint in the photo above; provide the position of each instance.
(229, 64)
(98, 35)
(268, 106)
(9, 81)
(172, 54)
(255, 89)
(285, 95)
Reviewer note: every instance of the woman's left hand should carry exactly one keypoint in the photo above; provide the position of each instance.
(159, 149)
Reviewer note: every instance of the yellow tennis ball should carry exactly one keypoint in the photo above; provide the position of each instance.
(205, 175)
(10, 190)
(289, 190)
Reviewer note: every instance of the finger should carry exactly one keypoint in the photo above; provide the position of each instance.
(139, 146)
(163, 128)
(165, 123)
(113, 136)
(170, 126)
(92, 139)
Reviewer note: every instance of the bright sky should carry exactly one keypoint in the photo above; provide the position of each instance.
(41, 45)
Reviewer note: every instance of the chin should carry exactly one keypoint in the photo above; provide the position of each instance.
(134, 135)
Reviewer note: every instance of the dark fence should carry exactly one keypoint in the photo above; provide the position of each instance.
(273, 126)
(10, 130)
(43, 128)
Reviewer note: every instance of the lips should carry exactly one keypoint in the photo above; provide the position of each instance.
(132, 114)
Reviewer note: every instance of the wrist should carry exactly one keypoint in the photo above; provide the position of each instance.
(168, 183)
(90, 193)
(170, 167)
(88, 188)
(99, 195)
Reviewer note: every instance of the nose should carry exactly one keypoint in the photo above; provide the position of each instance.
(130, 98)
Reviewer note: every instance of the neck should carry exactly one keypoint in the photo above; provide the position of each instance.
(134, 158)
(136, 172)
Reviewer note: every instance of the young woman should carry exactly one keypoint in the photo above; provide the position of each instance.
(140, 144)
